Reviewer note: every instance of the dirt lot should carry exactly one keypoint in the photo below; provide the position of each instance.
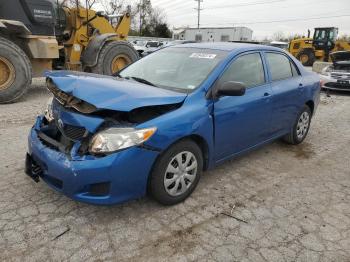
(292, 204)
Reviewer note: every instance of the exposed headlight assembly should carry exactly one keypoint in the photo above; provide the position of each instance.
(114, 139)
(48, 110)
(325, 71)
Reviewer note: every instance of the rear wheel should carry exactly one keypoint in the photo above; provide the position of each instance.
(306, 57)
(300, 128)
(15, 71)
(113, 57)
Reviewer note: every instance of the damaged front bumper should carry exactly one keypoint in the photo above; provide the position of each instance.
(336, 81)
(111, 179)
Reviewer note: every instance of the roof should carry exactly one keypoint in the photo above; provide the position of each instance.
(227, 46)
(205, 28)
(279, 43)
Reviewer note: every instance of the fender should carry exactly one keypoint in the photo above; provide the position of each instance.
(14, 27)
(90, 54)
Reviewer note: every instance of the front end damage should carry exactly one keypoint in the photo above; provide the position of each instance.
(59, 152)
(337, 75)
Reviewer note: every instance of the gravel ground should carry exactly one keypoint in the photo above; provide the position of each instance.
(284, 203)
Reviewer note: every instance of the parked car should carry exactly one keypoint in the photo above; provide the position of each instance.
(144, 46)
(337, 75)
(165, 118)
(279, 44)
(171, 43)
(180, 42)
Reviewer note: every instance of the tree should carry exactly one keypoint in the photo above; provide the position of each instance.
(344, 37)
(146, 20)
(82, 3)
(111, 7)
(162, 30)
(278, 36)
(90, 3)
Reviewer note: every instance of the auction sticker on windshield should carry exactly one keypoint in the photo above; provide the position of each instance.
(202, 55)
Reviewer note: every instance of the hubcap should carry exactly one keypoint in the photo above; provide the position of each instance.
(7, 73)
(119, 62)
(180, 173)
(303, 125)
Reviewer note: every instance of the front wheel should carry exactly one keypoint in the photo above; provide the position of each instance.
(176, 173)
(306, 57)
(300, 128)
(15, 71)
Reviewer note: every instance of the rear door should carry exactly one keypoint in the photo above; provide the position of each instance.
(244, 121)
(287, 87)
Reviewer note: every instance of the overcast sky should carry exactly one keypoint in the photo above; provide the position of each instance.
(290, 16)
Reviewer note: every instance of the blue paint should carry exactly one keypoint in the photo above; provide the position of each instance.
(228, 126)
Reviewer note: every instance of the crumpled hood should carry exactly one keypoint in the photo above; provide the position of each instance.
(105, 92)
(340, 56)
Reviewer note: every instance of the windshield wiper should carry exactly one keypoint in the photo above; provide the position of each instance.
(141, 80)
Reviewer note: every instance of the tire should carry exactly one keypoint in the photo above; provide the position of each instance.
(161, 175)
(16, 74)
(300, 130)
(111, 51)
(310, 55)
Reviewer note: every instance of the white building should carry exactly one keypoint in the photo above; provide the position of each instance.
(213, 34)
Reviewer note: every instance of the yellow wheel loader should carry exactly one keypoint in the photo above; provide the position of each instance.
(40, 35)
(308, 50)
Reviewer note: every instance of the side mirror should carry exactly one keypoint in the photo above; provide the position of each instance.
(230, 89)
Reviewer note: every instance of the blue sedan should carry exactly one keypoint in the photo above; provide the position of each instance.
(159, 123)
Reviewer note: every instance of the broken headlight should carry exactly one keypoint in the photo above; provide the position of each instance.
(48, 110)
(326, 71)
(114, 139)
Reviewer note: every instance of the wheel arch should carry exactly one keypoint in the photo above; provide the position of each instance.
(306, 49)
(90, 54)
(311, 105)
(199, 140)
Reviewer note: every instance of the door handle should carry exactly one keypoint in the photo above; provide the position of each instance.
(266, 94)
(300, 85)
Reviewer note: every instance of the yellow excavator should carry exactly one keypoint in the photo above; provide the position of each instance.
(40, 35)
(308, 50)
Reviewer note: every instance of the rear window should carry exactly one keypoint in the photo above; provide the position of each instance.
(280, 66)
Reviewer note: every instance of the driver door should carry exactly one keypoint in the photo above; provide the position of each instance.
(242, 122)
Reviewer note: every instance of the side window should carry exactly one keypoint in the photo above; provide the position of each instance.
(247, 69)
(280, 66)
(296, 46)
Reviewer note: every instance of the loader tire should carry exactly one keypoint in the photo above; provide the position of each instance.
(15, 72)
(114, 56)
(306, 57)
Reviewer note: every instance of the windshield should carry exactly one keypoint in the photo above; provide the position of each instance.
(179, 69)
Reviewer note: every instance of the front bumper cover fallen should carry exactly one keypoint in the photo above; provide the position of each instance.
(126, 172)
